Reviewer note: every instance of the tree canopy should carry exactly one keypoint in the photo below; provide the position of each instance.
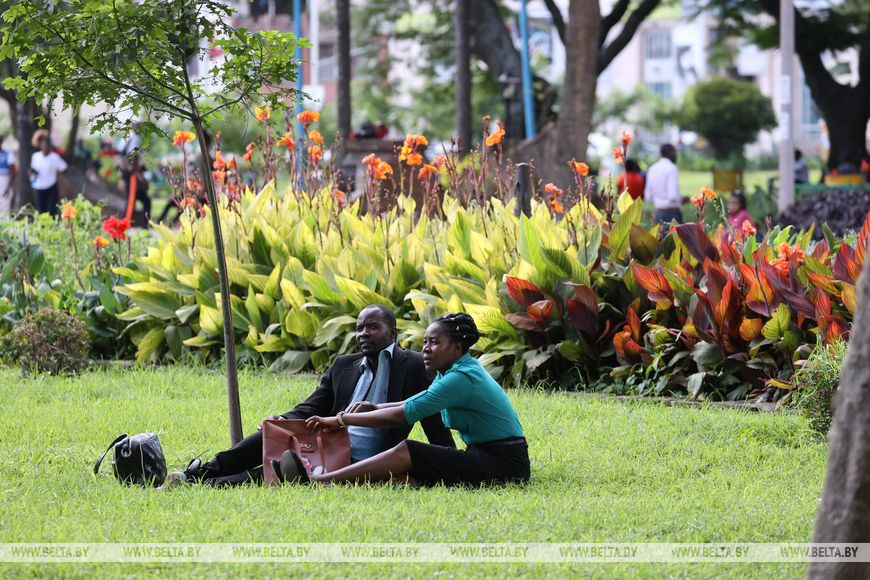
(728, 113)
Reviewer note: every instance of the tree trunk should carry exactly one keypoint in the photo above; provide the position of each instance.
(844, 514)
(342, 20)
(73, 134)
(24, 133)
(578, 96)
(235, 413)
(463, 76)
(847, 120)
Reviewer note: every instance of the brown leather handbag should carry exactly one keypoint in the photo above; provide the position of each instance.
(327, 449)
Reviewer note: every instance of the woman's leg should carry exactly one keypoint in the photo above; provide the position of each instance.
(381, 467)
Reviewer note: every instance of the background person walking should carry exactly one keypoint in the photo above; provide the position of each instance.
(662, 187)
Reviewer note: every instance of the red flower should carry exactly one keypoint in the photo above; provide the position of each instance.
(626, 138)
(116, 228)
(617, 153)
(249, 152)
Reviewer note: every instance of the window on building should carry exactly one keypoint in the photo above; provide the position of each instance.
(657, 44)
(661, 89)
(809, 111)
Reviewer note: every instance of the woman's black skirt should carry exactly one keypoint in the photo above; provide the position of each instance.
(497, 462)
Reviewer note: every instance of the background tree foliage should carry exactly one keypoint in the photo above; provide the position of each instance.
(728, 113)
(823, 30)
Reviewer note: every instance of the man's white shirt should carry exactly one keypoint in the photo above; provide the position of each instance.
(662, 189)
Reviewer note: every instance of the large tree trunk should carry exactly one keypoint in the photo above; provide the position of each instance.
(342, 21)
(578, 96)
(463, 76)
(844, 515)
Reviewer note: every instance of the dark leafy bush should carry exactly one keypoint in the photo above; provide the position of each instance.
(841, 210)
(816, 382)
(50, 341)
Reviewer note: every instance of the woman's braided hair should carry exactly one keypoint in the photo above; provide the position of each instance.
(460, 327)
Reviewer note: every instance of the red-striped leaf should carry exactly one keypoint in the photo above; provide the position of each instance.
(654, 282)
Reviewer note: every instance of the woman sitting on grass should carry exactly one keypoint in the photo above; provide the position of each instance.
(469, 401)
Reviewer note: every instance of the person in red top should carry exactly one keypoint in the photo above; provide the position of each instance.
(632, 180)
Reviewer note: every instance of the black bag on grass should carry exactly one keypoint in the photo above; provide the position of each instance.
(137, 459)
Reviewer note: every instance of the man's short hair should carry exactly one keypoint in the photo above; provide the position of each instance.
(387, 314)
(668, 150)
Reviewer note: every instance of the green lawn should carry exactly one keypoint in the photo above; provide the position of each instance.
(603, 471)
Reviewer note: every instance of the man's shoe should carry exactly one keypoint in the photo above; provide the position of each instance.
(194, 471)
(291, 468)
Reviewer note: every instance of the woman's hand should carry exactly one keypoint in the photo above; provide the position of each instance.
(361, 407)
(327, 423)
(269, 418)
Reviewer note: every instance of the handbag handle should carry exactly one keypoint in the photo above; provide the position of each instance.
(112, 444)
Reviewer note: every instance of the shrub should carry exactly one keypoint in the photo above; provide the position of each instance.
(816, 382)
(49, 341)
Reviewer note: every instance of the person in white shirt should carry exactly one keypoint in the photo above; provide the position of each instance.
(7, 175)
(45, 166)
(662, 187)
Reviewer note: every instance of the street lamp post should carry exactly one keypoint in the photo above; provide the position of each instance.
(786, 104)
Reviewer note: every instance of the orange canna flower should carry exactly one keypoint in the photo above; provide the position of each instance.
(553, 190)
(315, 153)
(69, 212)
(580, 169)
(308, 117)
(626, 138)
(381, 170)
(370, 159)
(439, 161)
(426, 171)
(182, 137)
(414, 159)
(263, 113)
(340, 198)
(698, 199)
(219, 176)
(219, 163)
(100, 242)
(555, 205)
(249, 152)
(414, 141)
(316, 137)
(186, 203)
(617, 153)
(231, 164)
(287, 141)
(708, 193)
(495, 138)
(747, 229)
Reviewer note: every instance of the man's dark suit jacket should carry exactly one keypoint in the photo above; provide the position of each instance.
(408, 377)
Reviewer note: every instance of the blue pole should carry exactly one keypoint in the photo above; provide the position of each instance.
(297, 55)
(528, 97)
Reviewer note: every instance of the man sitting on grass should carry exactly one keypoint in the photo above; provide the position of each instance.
(382, 372)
